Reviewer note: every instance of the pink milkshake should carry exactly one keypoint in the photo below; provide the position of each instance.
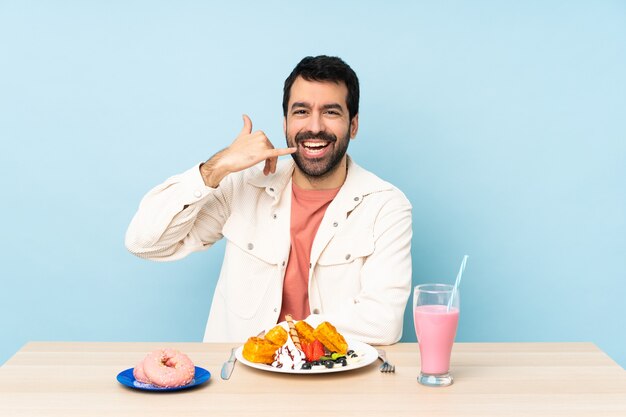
(435, 328)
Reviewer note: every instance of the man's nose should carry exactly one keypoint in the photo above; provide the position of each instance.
(315, 123)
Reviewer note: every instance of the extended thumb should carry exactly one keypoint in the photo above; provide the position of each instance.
(247, 125)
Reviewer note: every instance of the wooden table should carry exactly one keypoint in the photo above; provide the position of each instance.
(491, 379)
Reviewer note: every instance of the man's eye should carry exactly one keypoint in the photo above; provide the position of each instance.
(301, 111)
(333, 112)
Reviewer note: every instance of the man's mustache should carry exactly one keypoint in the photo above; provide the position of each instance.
(329, 137)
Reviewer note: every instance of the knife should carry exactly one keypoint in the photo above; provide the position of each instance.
(229, 365)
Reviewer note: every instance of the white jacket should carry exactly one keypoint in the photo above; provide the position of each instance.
(360, 274)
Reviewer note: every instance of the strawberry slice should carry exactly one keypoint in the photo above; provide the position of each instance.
(317, 350)
(307, 348)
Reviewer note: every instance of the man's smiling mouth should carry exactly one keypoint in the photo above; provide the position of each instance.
(314, 147)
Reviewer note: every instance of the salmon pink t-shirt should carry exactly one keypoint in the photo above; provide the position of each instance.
(307, 210)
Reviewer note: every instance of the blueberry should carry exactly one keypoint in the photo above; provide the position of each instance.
(316, 363)
(306, 366)
(354, 355)
(350, 352)
(329, 364)
(343, 361)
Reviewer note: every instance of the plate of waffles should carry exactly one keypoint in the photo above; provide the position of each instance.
(298, 348)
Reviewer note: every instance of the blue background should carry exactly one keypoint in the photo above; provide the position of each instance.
(504, 123)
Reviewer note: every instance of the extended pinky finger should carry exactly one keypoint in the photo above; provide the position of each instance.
(281, 151)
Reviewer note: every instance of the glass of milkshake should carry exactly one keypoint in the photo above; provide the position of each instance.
(436, 318)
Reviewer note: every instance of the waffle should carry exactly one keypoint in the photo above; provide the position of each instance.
(330, 338)
(278, 335)
(259, 350)
(305, 331)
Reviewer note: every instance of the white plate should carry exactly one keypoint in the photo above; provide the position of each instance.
(366, 355)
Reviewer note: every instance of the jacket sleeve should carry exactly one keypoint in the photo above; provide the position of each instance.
(375, 315)
(178, 217)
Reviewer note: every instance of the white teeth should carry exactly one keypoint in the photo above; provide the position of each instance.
(315, 144)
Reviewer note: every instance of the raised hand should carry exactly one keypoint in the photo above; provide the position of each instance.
(248, 149)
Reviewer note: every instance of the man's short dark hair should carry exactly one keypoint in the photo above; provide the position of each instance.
(325, 68)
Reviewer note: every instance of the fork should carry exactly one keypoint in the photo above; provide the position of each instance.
(386, 367)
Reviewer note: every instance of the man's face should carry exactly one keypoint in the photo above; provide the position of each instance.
(318, 123)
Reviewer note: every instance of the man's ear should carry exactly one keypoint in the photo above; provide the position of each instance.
(354, 126)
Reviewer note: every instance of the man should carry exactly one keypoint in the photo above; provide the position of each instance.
(318, 237)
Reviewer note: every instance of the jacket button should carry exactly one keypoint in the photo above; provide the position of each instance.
(347, 257)
(274, 216)
(197, 194)
(283, 263)
(271, 189)
(316, 311)
(356, 198)
(250, 246)
(275, 309)
(335, 224)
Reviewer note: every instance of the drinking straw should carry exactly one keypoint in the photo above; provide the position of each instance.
(457, 282)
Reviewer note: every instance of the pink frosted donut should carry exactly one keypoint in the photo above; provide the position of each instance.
(139, 374)
(168, 368)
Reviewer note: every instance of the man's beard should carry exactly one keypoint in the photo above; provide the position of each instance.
(324, 166)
